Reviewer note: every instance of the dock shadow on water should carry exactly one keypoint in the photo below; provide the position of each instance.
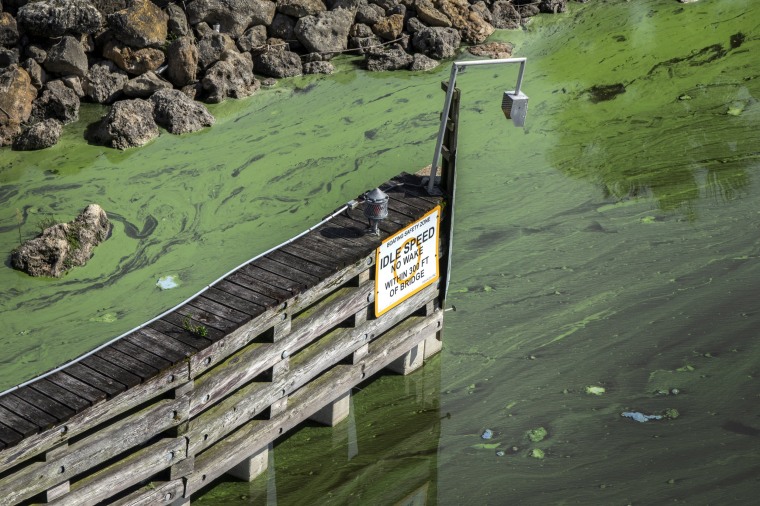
(558, 326)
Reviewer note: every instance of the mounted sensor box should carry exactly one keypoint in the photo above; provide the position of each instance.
(515, 107)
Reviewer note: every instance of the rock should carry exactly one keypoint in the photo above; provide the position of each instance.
(66, 57)
(8, 30)
(211, 47)
(472, 27)
(104, 82)
(482, 8)
(141, 24)
(429, 15)
(110, 6)
(177, 24)
(35, 71)
(492, 49)
(389, 28)
(437, 42)
(528, 10)
(318, 67)
(129, 124)
(56, 101)
(133, 61)
(233, 16)
(40, 135)
(369, 14)
(504, 15)
(54, 18)
(8, 57)
(36, 53)
(423, 63)
(325, 32)
(182, 56)
(300, 8)
(231, 76)
(283, 27)
(552, 6)
(392, 58)
(254, 37)
(276, 61)
(74, 83)
(63, 246)
(362, 37)
(16, 96)
(145, 85)
(176, 112)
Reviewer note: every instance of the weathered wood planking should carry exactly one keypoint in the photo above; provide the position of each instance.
(273, 336)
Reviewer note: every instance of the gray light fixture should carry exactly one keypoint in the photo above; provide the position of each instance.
(375, 209)
(515, 107)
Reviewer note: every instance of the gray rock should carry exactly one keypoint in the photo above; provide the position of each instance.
(145, 85)
(482, 8)
(177, 24)
(318, 67)
(231, 76)
(141, 24)
(437, 42)
(528, 10)
(254, 37)
(36, 53)
(178, 113)
(129, 124)
(104, 82)
(325, 32)
(74, 83)
(109, 6)
(35, 71)
(8, 30)
(182, 57)
(40, 135)
(369, 14)
(277, 62)
(54, 18)
(8, 56)
(66, 57)
(56, 101)
(423, 63)
(362, 38)
(392, 58)
(211, 47)
(63, 246)
(504, 15)
(233, 16)
(553, 6)
(300, 8)
(283, 27)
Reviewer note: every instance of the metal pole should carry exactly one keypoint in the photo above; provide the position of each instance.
(447, 105)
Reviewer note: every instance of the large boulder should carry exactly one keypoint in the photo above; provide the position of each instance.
(16, 96)
(211, 47)
(389, 28)
(104, 82)
(392, 58)
(8, 30)
(141, 24)
(63, 246)
(283, 28)
(40, 135)
(145, 85)
(318, 67)
(8, 56)
(436, 42)
(423, 63)
(473, 28)
(35, 71)
(326, 32)
(178, 25)
(56, 101)
(504, 15)
(301, 8)
(133, 61)
(429, 15)
(232, 16)
(362, 38)
(129, 124)
(231, 76)
(182, 57)
(178, 113)
(54, 18)
(369, 14)
(553, 6)
(253, 38)
(66, 57)
(276, 61)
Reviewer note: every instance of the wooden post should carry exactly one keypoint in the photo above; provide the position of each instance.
(252, 466)
(61, 489)
(335, 412)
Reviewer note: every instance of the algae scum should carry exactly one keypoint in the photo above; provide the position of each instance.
(606, 262)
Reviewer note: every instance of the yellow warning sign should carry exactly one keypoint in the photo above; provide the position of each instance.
(407, 262)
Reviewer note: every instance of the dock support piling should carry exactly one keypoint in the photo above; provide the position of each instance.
(251, 467)
(335, 412)
(409, 361)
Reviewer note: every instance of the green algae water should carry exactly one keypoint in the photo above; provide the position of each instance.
(606, 261)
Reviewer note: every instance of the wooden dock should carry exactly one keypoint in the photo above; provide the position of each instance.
(204, 390)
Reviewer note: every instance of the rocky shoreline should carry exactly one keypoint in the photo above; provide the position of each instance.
(155, 61)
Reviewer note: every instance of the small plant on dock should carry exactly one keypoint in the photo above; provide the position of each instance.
(198, 330)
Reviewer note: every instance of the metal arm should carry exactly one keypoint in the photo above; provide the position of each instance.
(455, 68)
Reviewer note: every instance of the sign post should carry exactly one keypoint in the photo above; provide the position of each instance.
(407, 262)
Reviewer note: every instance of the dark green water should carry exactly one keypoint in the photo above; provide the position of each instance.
(611, 243)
